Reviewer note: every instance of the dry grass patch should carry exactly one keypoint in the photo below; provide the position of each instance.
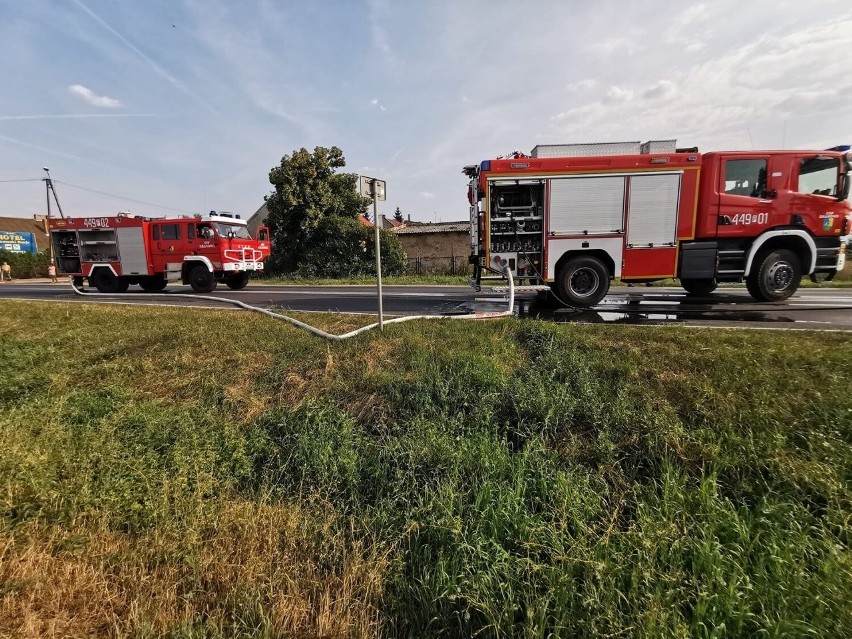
(280, 568)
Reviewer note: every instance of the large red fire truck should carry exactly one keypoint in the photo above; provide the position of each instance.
(115, 252)
(573, 217)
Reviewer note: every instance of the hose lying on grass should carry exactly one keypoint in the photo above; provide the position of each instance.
(312, 329)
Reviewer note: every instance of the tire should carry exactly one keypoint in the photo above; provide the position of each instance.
(201, 279)
(775, 277)
(703, 286)
(237, 281)
(153, 283)
(582, 281)
(106, 281)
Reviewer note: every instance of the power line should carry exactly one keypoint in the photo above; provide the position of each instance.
(121, 197)
(28, 180)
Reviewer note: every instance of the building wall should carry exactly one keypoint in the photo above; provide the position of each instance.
(433, 245)
(436, 252)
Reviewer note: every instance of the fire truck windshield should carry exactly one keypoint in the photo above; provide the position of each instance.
(232, 230)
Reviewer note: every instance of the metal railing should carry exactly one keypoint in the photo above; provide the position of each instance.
(449, 265)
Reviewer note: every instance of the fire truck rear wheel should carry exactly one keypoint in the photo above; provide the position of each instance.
(201, 279)
(236, 281)
(775, 276)
(582, 281)
(703, 286)
(106, 281)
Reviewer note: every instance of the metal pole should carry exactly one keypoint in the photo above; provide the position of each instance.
(47, 194)
(378, 259)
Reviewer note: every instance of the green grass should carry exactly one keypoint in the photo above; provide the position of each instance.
(212, 473)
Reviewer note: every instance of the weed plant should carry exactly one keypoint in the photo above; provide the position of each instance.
(199, 473)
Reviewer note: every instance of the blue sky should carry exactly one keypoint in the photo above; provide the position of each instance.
(187, 104)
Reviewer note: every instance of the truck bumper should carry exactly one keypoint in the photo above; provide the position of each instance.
(242, 266)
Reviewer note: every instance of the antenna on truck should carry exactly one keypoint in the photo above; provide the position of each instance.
(48, 185)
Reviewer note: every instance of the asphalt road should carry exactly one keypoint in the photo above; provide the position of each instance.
(821, 309)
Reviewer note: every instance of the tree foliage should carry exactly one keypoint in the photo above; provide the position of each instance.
(26, 265)
(344, 247)
(397, 215)
(307, 190)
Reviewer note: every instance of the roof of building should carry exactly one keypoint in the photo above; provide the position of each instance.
(437, 227)
(263, 211)
(22, 225)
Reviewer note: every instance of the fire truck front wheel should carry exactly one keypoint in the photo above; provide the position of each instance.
(106, 281)
(775, 276)
(201, 279)
(582, 281)
(236, 281)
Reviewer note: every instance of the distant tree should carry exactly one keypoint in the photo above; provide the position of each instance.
(307, 189)
(313, 219)
(397, 215)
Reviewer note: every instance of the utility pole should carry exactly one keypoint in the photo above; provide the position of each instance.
(49, 188)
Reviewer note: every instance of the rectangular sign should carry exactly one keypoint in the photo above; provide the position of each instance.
(366, 186)
(18, 242)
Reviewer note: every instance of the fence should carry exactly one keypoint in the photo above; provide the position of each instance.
(452, 265)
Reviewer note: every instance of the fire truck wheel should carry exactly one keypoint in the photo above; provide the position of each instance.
(106, 281)
(236, 281)
(703, 286)
(201, 279)
(153, 283)
(775, 277)
(582, 281)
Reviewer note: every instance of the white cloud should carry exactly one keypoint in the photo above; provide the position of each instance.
(375, 102)
(582, 85)
(426, 195)
(85, 93)
(663, 89)
(618, 94)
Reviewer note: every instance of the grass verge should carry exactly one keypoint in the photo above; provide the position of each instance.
(212, 473)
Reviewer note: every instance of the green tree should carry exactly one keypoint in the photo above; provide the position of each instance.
(344, 247)
(313, 220)
(397, 215)
(307, 189)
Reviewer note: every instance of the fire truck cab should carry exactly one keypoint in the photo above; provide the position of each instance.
(571, 218)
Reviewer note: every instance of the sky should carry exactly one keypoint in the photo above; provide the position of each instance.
(183, 106)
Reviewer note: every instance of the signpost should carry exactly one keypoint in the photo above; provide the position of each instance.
(375, 190)
(15, 242)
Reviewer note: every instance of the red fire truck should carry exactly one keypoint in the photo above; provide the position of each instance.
(573, 217)
(115, 252)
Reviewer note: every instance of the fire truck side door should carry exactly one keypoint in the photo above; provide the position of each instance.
(745, 203)
(165, 244)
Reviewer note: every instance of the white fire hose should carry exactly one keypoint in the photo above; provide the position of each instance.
(312, 329)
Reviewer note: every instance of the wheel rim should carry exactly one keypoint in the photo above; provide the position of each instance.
(200, 279)
(584, 282)
(779, 277)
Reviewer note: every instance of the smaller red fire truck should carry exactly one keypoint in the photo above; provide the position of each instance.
(571, 218)
(115, 252)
